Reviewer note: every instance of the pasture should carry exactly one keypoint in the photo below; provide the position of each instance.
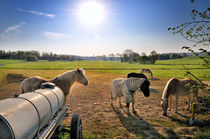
(100, 119)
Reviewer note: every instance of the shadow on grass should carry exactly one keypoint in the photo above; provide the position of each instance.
(154, 79)
(136, 125)
(179, 121)
(153, 90)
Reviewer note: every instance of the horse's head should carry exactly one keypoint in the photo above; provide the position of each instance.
(164, 104)
(145, 88)
(81, 78)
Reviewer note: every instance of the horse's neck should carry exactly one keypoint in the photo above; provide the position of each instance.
(167, 90)
(68, 77)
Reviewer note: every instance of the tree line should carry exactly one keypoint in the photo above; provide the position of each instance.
(127, 56)
(35, 55)
(133, 57)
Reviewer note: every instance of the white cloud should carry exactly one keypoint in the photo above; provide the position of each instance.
(37, 13)
(55, 35)
(12, 31)
(14, 28)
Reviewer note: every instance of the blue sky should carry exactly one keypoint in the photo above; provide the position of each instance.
(54, 26)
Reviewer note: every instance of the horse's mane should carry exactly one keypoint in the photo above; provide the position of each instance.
(170, 86)
(137, 75)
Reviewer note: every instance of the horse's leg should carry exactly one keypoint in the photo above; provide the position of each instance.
(170, 101)
(189, 102)
(111, 98)
(127, 108)
(120, 102)
(133, 102)
(176, 103)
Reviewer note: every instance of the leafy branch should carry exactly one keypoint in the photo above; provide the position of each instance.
(196, 31)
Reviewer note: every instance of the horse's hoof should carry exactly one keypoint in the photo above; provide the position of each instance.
(127, 111)
(134, 112)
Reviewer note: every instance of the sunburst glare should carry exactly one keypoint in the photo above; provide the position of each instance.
(91, 13)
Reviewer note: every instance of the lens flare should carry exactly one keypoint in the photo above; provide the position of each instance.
(91, 13)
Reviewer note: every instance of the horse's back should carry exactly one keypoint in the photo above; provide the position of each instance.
(180, 87)
(117, 82)
(188, 86)
(32, 83)
(117, 87)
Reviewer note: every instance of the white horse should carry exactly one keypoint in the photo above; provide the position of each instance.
(149, 71)
(64, 81)
(175, 87)
(126, 88)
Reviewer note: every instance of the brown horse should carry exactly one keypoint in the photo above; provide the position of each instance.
(149, 71)
(175, 87)
(64, 81)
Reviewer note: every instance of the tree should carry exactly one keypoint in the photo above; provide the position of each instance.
(143, 58)
(134, 57)
(31, 58)
(197, 32)
(153, 57)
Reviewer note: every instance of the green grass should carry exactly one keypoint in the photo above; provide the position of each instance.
(8, 61)
(163, 68)
(192, 60)
(93, 65)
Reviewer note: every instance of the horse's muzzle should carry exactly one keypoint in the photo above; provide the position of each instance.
(86, 83)
(147, 95)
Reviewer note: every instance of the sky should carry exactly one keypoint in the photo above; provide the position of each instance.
(55, 26)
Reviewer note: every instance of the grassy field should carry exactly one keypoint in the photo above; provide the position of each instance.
(162, 68)
(186, 61)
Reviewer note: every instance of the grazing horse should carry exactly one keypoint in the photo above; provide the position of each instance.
(126, 88)
(175, 87)
(63, 81)
(149, 71)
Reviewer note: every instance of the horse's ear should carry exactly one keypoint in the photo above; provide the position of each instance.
(78, 69)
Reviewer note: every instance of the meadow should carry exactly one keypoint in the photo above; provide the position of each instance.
(162, 68)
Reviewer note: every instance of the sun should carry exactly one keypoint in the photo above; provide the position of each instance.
(91, 13)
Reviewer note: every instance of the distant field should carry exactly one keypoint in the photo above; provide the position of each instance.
(162, 68)
(186, 60)
(2, 61)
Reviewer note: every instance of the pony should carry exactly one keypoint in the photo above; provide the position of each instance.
(63, 81)
(175, 87)
(126, 88)
(149, 71)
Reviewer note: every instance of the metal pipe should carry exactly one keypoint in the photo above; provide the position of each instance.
(24, 116)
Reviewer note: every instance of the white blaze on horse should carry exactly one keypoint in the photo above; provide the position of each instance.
(63, 81)
(149, 71)
(126, 88)
(175, 87)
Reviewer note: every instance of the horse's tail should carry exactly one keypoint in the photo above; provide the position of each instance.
(170, 86)
(22, 88)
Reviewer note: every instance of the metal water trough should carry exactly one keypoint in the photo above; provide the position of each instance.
(36, 114)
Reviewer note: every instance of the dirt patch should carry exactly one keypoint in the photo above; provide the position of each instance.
(101, 120)
(13, 77)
